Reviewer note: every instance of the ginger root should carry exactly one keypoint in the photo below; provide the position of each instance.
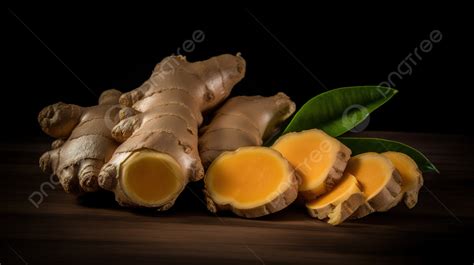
(144, 146)
(84, 142)
(338, 204)
(251, 182)
(412, 179)
(243, 121)
(317, 157)
(159, 129)
(380, 181)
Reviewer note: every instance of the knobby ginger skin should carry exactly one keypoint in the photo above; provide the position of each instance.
(158, 130)
(84, 141)
(243, 121)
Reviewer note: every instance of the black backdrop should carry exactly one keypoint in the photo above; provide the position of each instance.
(61, 55)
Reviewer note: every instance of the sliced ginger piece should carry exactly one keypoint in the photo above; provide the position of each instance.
(338, 204)
(412, 179)
(151, 179)
(251, 182)
(317, 157)
(380, 181)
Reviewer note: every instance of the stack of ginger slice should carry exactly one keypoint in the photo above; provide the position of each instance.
(255, 181)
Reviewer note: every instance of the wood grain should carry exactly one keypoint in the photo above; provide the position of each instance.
(91, 229)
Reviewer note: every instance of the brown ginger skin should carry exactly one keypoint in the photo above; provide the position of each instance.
(243, 121)
(338, 204)
(84, 143)
(162, 116)
(412, 178)
(241, 125)
(380, 181)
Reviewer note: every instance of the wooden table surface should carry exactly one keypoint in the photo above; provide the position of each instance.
(92, 229)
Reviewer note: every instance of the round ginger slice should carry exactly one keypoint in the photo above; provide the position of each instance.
(380, 181)
(251, 182)
(318, 158)
(412, 179)
(338, 204)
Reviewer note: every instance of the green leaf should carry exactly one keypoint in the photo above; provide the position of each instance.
(362, 145)
(339, 110)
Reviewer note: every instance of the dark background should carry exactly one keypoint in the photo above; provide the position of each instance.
(117, 48)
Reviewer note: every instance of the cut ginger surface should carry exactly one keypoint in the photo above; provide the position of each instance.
(412, 179)
(251, 182)
(380, 181)
(338, 204)
(151, 178)
(163, 116)
(317, 157)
